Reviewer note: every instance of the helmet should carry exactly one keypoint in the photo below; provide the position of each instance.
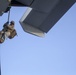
(12, 22)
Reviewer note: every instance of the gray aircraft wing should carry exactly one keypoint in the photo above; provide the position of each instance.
(41, 15)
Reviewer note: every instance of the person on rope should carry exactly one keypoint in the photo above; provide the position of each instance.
(8, 31)
(2, 32)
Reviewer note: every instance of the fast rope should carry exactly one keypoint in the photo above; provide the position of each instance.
(8, 16)
(9, 11)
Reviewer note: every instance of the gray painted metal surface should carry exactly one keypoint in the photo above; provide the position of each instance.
(45, 14)
(53, 17)
(3, 6)
(44, 5)
(29, 28)
(25, 2)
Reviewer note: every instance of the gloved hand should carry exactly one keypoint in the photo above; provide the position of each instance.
(6, 24)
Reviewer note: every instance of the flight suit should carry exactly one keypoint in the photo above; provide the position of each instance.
(10, 28)
(11, 32)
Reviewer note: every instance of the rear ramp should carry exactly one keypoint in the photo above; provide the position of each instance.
(28, 27)
(43, 15)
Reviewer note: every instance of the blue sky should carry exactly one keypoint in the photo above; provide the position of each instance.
(26, 54)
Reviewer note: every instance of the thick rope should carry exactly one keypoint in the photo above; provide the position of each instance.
(8, 16)
(9, 10)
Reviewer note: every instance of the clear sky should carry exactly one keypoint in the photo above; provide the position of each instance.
(26, 54)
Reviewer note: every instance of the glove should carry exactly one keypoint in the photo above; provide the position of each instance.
(6, 24)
